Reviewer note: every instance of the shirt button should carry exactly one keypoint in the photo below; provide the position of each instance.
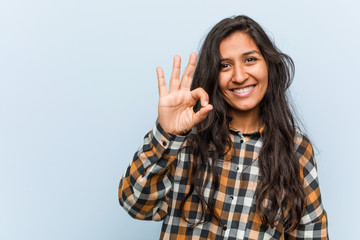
(231, 197)
(164, 143)
(237, 168)
(225, 227)
(241, 141)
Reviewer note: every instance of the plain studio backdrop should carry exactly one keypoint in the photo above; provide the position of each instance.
(78, 92)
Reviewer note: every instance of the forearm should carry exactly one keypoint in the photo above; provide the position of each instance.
(311, 230)
(147, 181)
(314, 223)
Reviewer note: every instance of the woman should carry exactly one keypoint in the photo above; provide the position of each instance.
(225, 159)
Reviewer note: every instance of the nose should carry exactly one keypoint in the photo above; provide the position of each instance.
(240, 74)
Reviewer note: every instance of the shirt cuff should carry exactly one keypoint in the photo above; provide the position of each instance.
(164, 141)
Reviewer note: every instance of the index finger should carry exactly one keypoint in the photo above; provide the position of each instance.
(189, 72)
(200, 94)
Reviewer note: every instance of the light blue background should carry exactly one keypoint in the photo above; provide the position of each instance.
(78, 91)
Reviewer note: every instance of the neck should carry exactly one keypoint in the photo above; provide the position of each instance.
(245, 121)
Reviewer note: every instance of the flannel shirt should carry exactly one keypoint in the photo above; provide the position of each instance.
(158, 179)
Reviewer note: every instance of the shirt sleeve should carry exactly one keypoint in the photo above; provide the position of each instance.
(313, 224)
(146, 183)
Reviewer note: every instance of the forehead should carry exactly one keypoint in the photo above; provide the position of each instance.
(237, 43)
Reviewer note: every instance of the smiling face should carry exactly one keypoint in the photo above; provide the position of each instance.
(243, 77)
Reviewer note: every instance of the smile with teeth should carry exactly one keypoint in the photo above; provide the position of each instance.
(243, 91)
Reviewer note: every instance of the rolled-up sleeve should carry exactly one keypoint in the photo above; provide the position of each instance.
(147, 181)
(314, 223)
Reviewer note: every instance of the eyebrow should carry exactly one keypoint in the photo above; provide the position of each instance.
(250, 52)
(244, 54)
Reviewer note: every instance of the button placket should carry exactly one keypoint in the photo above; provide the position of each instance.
(237, 168)
(225, 227)
(239, 141)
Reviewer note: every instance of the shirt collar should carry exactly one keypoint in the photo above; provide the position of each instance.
(260, 131)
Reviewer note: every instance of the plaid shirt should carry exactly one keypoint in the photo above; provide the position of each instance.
(157, 180)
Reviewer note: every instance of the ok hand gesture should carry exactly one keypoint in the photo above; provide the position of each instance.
(175, 113)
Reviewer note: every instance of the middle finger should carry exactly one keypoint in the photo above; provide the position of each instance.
(175, 76)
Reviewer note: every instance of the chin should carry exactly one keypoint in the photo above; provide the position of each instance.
(245, 108)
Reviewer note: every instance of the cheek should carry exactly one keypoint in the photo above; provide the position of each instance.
(264, 88)
(261, 72)
(222, 84)
(221, 80)
(225, 95)
(263, 78)
(265, 83)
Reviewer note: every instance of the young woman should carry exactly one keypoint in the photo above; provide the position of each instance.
(225, 159)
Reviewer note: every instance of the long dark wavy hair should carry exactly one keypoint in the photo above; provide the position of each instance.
(280, 184)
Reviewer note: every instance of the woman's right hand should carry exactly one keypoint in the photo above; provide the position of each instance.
(175, 113)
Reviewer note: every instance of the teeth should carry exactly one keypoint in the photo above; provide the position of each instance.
(243, 90)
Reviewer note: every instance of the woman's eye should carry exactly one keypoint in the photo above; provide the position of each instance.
(250, 59)
(224, 65)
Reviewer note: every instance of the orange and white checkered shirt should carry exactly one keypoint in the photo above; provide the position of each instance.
(157, 180)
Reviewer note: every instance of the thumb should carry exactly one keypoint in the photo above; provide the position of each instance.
(200, 115)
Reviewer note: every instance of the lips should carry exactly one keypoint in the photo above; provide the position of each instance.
(243, 91)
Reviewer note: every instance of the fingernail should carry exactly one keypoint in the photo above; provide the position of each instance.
(205, 103)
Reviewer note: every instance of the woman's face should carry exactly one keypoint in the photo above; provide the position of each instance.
(243, 77)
